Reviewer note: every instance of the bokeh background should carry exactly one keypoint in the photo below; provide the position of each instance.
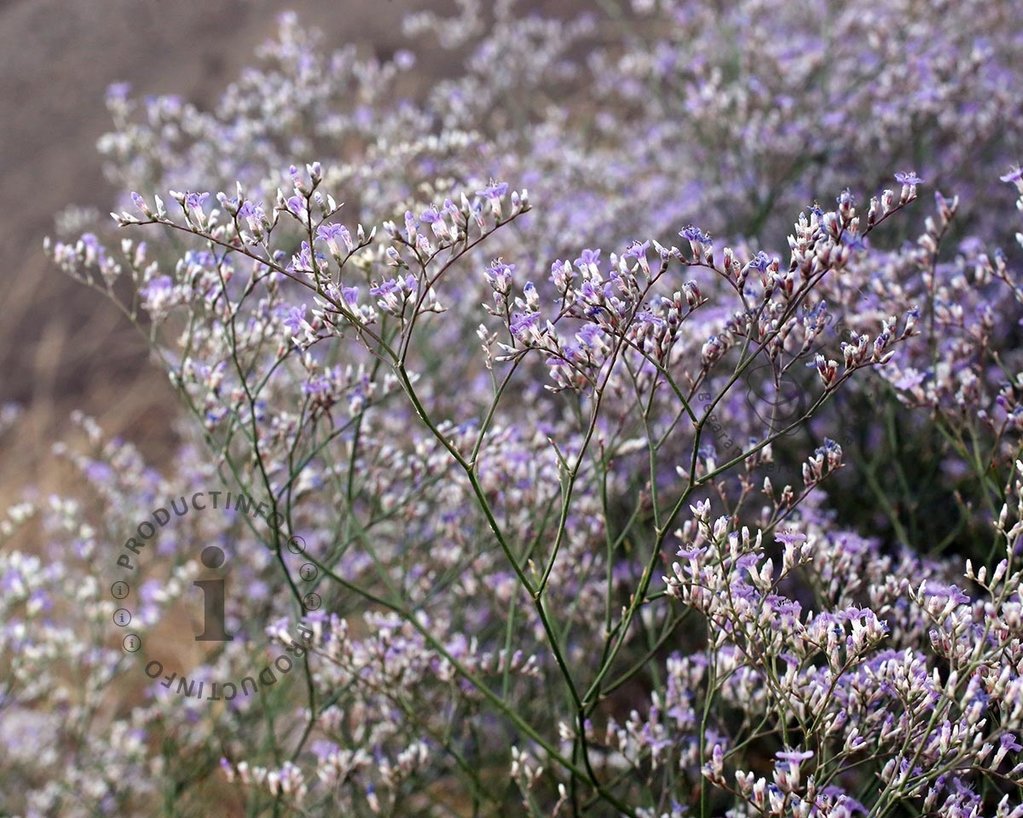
(62, 346)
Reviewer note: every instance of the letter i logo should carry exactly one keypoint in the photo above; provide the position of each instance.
(213, 598)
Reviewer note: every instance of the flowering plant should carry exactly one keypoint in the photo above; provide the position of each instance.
(572, 534)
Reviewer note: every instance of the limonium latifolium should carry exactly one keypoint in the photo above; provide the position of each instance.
(592, 379)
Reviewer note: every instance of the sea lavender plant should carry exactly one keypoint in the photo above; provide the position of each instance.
(560, 564)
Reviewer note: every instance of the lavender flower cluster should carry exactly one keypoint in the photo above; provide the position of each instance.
(506, 356)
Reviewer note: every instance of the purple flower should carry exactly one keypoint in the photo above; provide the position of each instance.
(156, 288)
(760, 262)
(318, 387)
(636, 250)
(292, 317)
(909, 379)
(118, 90)
(587, 257)
(522, 322)
(790, 537)
(908, 178)
(1014, 175)
(694, 234)
(404, 59)
(495, 190)
(387, 287)
(250, 211)
(194, 201)
(330, 232)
